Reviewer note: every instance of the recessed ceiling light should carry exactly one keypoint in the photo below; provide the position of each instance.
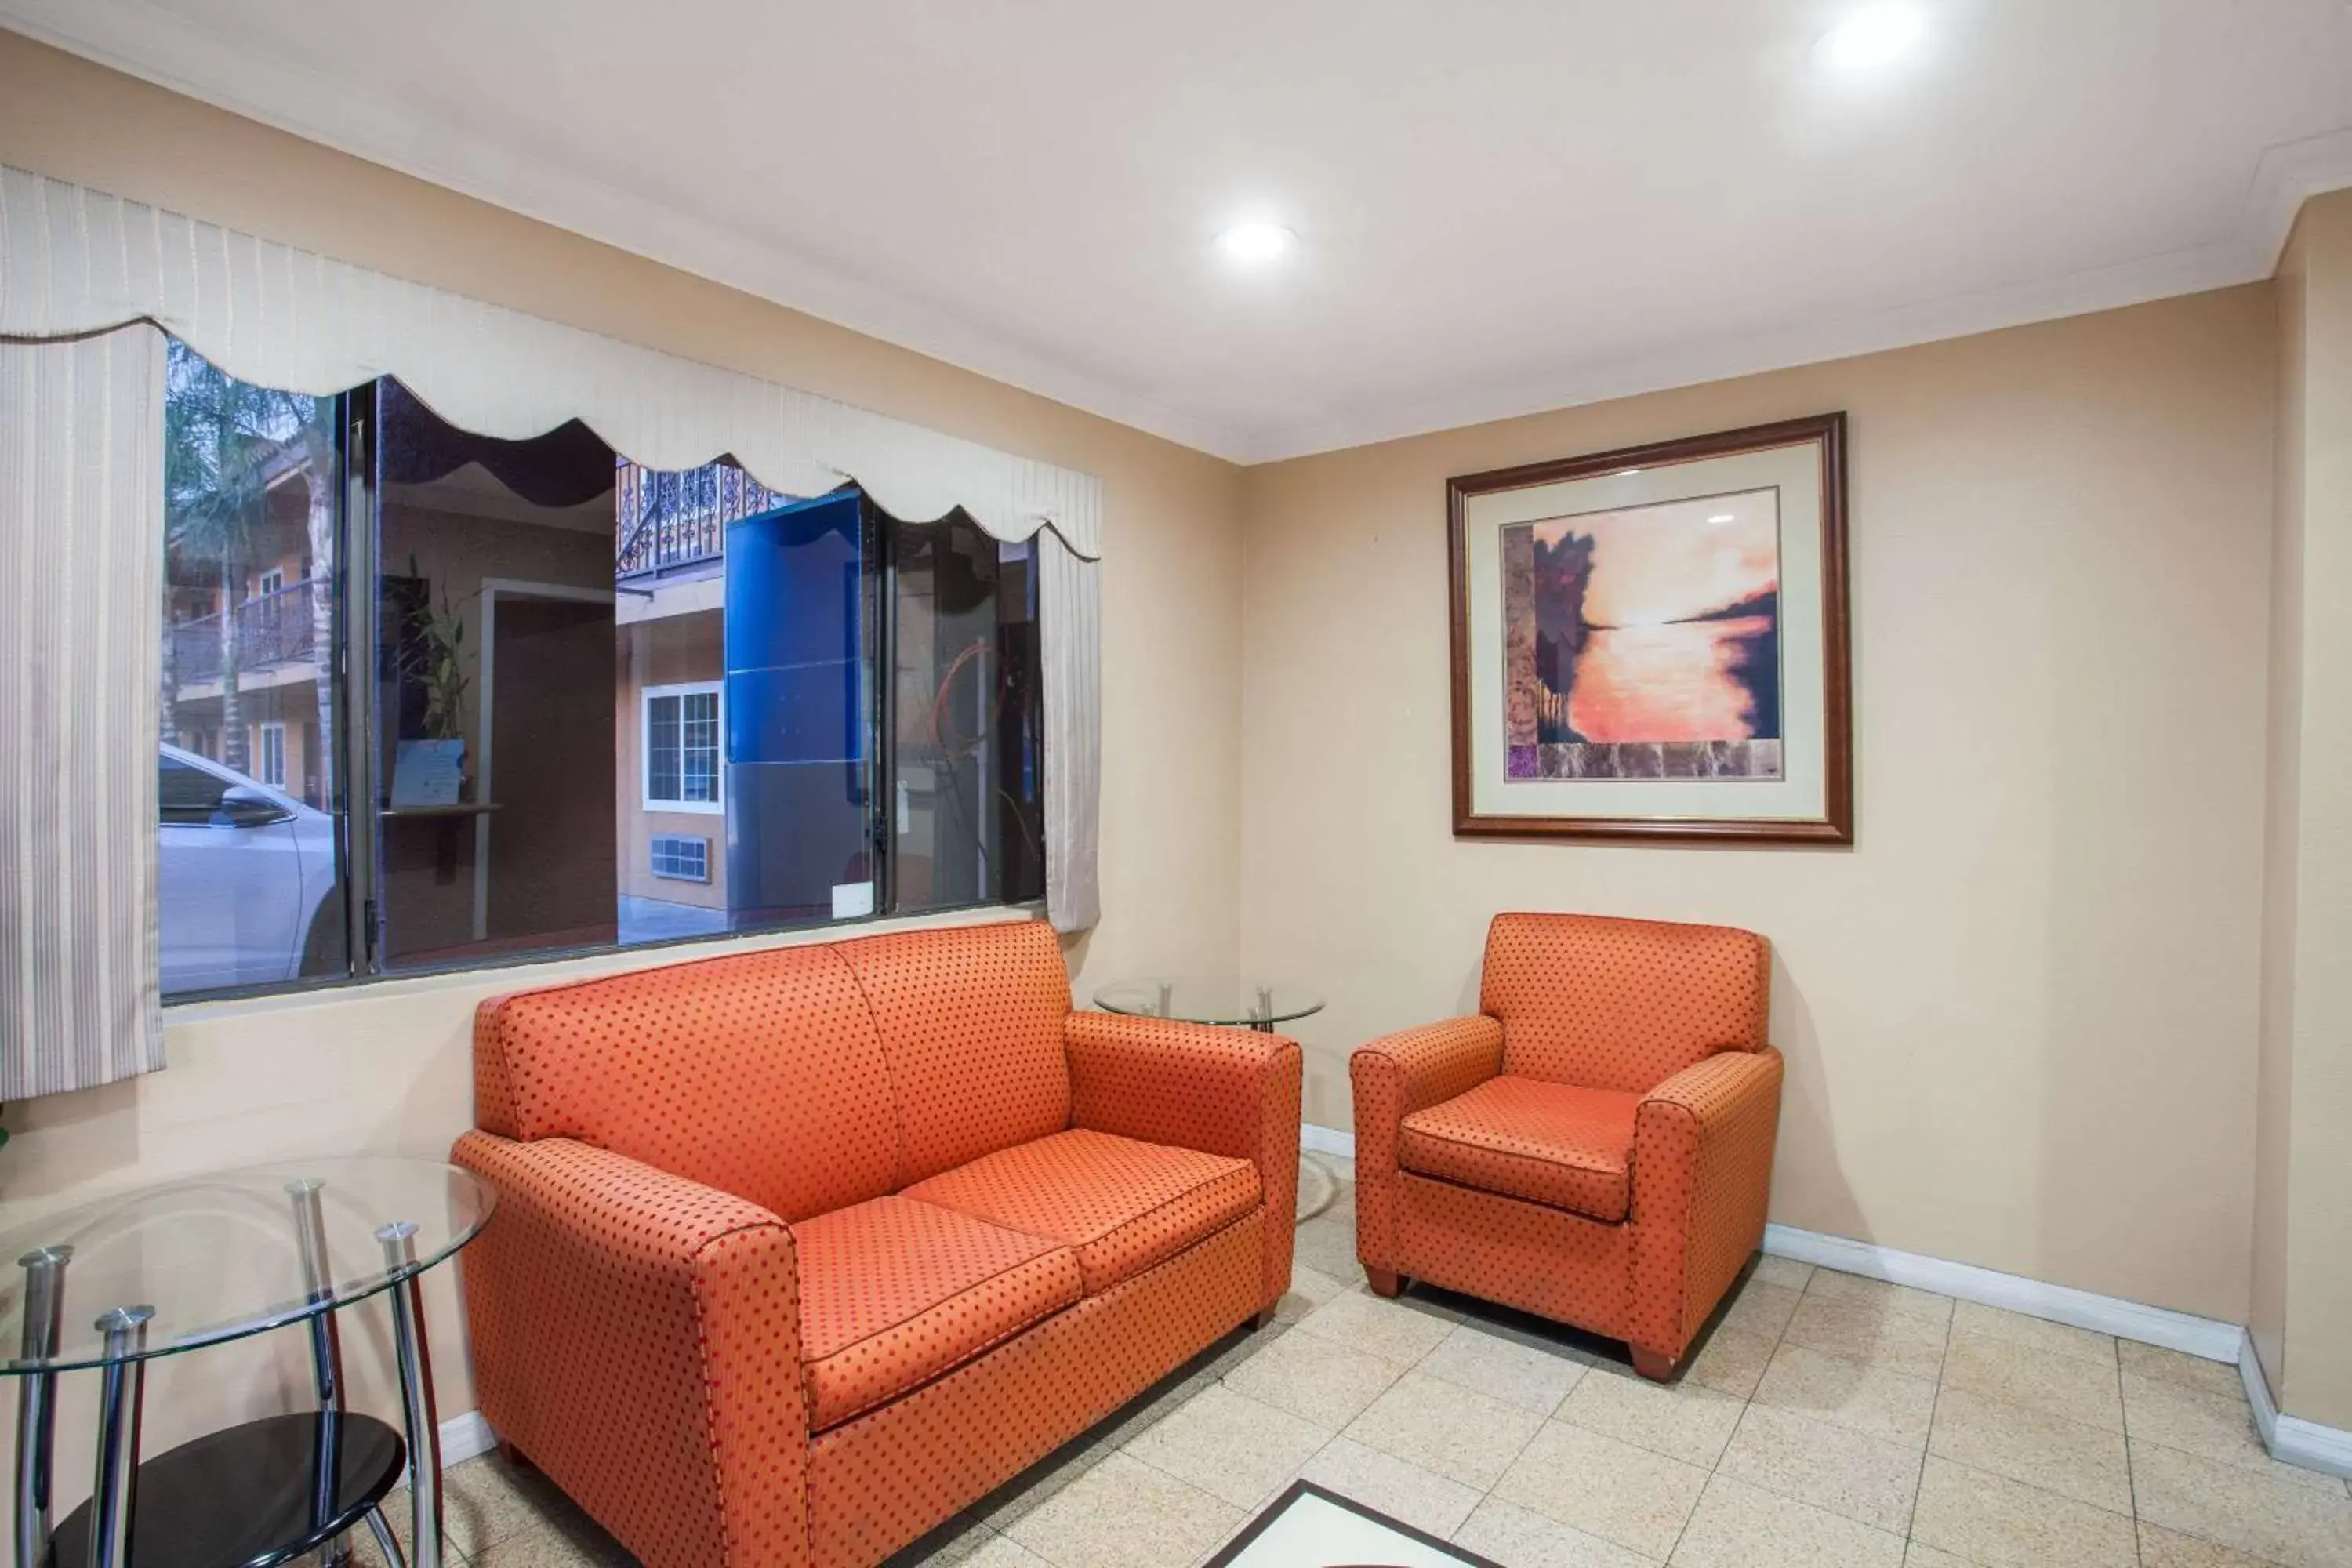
(1256, 243)
(1870, 38)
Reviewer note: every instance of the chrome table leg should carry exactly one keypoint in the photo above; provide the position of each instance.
(415, 1395)
(380, 1528)
(36, 1400)
(326, 1358)
(113, 1496)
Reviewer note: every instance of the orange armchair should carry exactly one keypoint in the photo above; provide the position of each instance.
(1594, 1145)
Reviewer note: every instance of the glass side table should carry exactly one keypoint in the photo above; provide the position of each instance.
(1226, 999)
(110, 1286)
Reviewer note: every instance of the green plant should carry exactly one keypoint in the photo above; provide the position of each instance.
(432, 659)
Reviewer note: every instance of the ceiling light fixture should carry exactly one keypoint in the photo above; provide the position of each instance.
(1870, 38)
(1722, 517)
(1256, 243)
(1627, 473)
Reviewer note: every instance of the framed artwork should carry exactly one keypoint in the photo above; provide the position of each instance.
(1651, 643)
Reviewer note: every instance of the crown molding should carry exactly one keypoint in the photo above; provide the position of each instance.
(125, 34)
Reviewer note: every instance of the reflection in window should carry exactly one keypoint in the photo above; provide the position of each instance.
(682, 747)
(248, 838)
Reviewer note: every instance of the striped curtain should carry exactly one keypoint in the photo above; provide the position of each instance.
(81, 570)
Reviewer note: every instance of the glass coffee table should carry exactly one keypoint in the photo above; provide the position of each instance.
(1228, 999)
(109, 1287)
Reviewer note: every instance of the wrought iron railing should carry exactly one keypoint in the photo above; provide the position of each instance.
(271, 628)
(667, 519)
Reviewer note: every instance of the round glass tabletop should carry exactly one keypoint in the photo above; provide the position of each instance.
(222, 1255)
(1229, 999)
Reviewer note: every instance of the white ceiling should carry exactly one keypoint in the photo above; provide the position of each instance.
(1503, 204)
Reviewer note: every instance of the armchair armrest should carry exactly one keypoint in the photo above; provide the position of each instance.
(1234, 1092)
(1393, 1076)
(1702, 1175)
(636, 1335)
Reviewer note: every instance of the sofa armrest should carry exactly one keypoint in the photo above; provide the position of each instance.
(1391, 1078)
(1702, 1175)
(638, 1336)
(1234, 1092)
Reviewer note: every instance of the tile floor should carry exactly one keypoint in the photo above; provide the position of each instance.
(1825, 1420)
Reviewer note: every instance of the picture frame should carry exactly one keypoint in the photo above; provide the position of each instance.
(1653, 643)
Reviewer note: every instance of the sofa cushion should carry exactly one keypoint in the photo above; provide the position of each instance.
(971, 1024)
(1624, 1004)
(1547, 1142)
(895, 1292)
(759, 1074)
(1122, 1204)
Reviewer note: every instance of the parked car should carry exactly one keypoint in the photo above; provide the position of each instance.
(245, 872)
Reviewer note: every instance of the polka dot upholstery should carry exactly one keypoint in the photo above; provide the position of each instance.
(970, 1023)
(1226, 1091)
(1547, 1142)
(1122, 1204)
(760, 1074)
(1624, 1004)
(598, 1271)
(894, 1292)
(706, 1310)
(1597, 1144)
(880, 1481)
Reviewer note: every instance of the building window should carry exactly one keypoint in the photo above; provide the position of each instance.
(681, 858)
(681, 741)
(498, 671)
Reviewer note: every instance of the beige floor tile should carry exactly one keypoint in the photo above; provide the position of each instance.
(1123, 1513)
(1229, 1444)
(1786, 1272)
(1837, 1286)
(1535, 1376)
(1441, 1427)
(2219, 1377)
(1867, 1329)
(486, 1500)
(1739, 1526)
(1320, 1379)
(1871, 1399)
(1631, 1496)
(1327, 1244)
(2161, 1548)
(1309, 1289)
(2086, 1463)
(1683, 1420)
(1761, 1307)
(2060, 1385)
(2036, 1334)
(1919, 1554)
(2229, 1506)
(1730, 1361)
(954, 1543)
(1521, 1538)
(1860, 1478)
(1423, 1499)
(577, 1545)
(1042, 1479)
(2001, 1523)
(2212, 1425)
(999, 1552)
(1394, 1330)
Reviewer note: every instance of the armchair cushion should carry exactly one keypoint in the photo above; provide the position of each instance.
(1550, 1143)
(1122, 1204)
(894, 1292)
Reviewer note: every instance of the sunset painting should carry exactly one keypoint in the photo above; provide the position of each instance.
(1646, 643)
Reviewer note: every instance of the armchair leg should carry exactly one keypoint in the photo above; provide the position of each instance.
(1383, 1281)
(1657, 1368)
(1262, 1320)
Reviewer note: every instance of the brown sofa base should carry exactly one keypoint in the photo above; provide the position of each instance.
(950, 1443)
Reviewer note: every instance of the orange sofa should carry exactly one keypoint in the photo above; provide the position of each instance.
(1595, 1145)
(798, 1253)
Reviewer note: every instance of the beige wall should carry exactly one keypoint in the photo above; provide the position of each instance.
(386, 1067)
(2020, 1012)
(2302, 1308)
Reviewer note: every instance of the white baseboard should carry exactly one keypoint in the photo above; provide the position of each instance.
(1327, 1140)
(2204, 1337)
(463, 1437)
(2291, 1438)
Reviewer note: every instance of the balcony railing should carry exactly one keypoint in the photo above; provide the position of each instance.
(667, 519)
(271, 629)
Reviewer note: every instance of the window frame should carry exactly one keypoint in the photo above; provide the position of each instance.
(681, 690)
(263, 733)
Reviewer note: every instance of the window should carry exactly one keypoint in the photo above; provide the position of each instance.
(491, 698)
(681, 742)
